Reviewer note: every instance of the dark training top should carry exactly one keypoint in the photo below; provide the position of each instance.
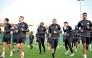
(52, 28)
(83, 26)
(68, 30)
(41, 31)
(75, 32)
(25, 27)
(31, 37)
(7, 29)
(15, 34)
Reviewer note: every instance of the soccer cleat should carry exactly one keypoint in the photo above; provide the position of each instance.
(17, 50)
(85, 56)
(2, 56)
(31, 47)
(11, 53)
(72, 55)
(67, 52)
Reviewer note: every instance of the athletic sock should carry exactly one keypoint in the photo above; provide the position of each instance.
(85, 56)
(52, 55)
(22, 53)
(3, 53)
(90, 47)
(13, 49)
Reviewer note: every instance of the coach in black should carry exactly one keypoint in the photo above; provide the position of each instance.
(85, 26)
(54, 29)
(22, 29)
(6, 37)
(41, 36)
(68, 40)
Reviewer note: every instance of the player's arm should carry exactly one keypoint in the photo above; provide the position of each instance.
(59, 29)
(26, 28)
(50, 33)
(90, 24)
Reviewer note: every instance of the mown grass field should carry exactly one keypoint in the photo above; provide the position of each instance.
(34, 53)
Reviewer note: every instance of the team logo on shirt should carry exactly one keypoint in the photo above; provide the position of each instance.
(51, 27)
(5, 25)
(77, 31)
(23, 25)
(42, 28)
(56, 26)
(88, 23)
(66, 28)
(74, 31)
(82, 23)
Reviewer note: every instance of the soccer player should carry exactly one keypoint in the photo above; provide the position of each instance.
(41, 34)
(54, 29)
(22, 29)
(37, 37)
(90, 39)
(75, 34)
(68, 39)
(48, 41)
(31, 37)
(15, 36)
(6, 37)
(85, 26)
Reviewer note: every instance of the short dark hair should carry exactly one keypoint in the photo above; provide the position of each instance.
(7, 19)
(66, 22)
(42, 23)
(85, 13)
(21, 17)
(54, 19)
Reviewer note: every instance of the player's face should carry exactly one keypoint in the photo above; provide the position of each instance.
(54, 21)
(20, 19)
(15, 26)
(65, 24)
(5, 21)
(41, 24)
(84, 16)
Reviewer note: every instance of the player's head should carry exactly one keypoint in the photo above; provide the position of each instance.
(41, 24)
(31, 32)
(84, 15)
(6, 20)
(54, 21)
(15, 26)
(21, 19)
(65, 23)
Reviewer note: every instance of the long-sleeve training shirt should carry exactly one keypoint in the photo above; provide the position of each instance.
(83, 26)
(7, 30)
(52, 28)
(21, 26)
(31, 37)
(15, 34)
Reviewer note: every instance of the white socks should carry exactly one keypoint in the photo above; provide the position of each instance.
(13, 49)
(3, 53)
(85, 56)
(22, 53)
(90, 47)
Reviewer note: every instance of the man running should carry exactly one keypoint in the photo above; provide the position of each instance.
(85, 26)
(31, 37)
(54, 29)
(41, 36)
(68, 39)
(22, 29)
(6, 37)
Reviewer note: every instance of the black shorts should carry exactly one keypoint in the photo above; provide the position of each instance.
(75, 40)
(21, 40)
(90, 40)
(54, 42)
(6, 39)
(36, 40)
(31, 41)
(85, 40)
(14, 40)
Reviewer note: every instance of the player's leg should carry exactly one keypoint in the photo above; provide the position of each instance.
(66, 43)
(90, 44)
(76, 44)
(22, 46)
(56, 44)
(84, 46)
(87, 42)
(3, 47)
(52, 48)
(31, 44)
(43, 44)
(40, 42)
(69, 44)
(13, 45)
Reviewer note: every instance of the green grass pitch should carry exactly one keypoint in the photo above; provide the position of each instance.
(34, 53)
